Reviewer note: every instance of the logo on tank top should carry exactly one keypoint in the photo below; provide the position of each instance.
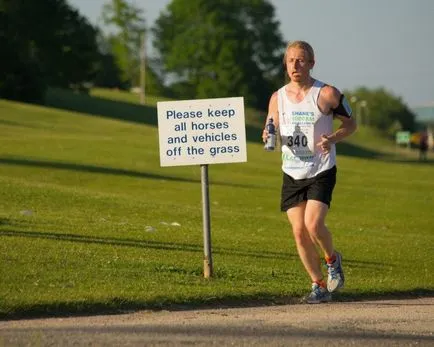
(301, 113)
(298, 140)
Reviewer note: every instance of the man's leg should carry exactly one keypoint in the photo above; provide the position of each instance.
(308, 255)
(305, 246)
(316, 212)
(314, 220)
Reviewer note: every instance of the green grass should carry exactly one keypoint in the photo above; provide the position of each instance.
(86, 216)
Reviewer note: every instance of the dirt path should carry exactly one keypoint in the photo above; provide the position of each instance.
(369, 323)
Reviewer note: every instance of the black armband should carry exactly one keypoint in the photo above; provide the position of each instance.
(344, 108)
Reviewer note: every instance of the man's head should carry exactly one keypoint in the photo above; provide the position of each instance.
(299, 59)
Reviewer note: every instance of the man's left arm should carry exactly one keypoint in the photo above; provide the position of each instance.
(347, 127)
(336, 103)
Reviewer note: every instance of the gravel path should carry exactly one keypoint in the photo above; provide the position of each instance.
(368, 323)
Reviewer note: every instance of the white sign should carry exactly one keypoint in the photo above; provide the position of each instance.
(204, 131)
(403, 137)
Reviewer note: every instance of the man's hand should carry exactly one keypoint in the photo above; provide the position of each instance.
(264, 135)
(325, 144)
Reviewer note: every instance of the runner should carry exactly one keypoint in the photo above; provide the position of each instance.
(423, 145)
(303, 111)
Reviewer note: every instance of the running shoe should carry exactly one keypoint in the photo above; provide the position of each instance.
(318, 295)
(335, 279)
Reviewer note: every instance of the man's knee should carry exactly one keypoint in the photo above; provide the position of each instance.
(314, 226)
(298, 232)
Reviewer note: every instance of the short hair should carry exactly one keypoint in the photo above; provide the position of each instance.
(299, 44)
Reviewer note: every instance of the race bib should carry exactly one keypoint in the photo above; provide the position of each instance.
(298, 145)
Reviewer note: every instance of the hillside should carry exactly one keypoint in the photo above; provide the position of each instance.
(89, 221)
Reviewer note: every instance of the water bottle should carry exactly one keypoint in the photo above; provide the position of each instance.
(270, 144)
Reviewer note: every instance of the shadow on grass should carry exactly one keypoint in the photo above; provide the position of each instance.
(96, 106)
(4, 221)
(120, 305)
(143, 114)
(119, 110)
(108, 171)
(15, 124)
(352, 150)
(158, 245)
(349, 149)
(414, 161)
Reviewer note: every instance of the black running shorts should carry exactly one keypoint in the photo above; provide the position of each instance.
(318, 188)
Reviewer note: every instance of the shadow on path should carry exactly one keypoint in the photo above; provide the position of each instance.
(194, 333)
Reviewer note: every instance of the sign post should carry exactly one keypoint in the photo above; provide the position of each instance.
(207, 260)
(202, 132)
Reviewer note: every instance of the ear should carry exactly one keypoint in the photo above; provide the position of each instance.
(312, 64)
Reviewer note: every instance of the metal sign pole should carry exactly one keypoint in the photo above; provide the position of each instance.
(207, 261)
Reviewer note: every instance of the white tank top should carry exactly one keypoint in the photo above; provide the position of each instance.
(301, 126)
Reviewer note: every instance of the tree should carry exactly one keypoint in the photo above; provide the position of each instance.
(61, 51)
(220, 48)
(126, 43)
(384, 110)
(108, 73)
(20, 75)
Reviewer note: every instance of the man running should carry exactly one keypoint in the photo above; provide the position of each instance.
(303, 111)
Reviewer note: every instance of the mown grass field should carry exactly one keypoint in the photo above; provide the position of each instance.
(90, 223)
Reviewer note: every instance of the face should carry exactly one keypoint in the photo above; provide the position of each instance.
(298, 64)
